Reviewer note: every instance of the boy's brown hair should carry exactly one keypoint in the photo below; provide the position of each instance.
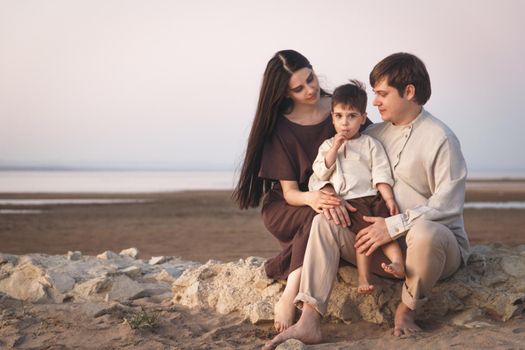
(352, 95)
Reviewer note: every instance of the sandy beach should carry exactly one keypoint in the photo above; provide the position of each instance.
(203, 225)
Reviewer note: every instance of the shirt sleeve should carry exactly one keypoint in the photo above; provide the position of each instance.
(276, 162)
(319, 165)
(321, 174)
(381, 171)
(449, 175)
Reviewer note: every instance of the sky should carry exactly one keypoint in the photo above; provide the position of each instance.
(174, 84)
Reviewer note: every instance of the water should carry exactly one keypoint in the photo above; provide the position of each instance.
(129, 182)
(113, 181)
(495, 205)
(74, 201)
(20, 211)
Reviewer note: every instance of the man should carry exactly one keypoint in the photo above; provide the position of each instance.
(429, 173)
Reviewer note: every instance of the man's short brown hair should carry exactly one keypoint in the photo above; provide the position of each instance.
(402, 69)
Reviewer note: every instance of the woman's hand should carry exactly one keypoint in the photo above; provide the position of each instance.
(322, 200)
(338, 214)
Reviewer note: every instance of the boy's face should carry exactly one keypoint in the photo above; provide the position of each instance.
(347, 120)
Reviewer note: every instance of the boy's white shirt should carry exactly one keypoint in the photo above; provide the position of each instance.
(356, 175)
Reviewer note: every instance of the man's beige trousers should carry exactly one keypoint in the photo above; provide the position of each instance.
(432, 253)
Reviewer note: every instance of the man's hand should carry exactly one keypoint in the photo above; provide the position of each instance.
(372, 237)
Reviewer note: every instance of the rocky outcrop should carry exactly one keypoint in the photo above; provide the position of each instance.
(491, 284)
(109, 277)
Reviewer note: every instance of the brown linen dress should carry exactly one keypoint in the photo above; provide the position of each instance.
(288, 155)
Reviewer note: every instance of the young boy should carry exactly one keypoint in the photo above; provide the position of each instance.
(357, 167)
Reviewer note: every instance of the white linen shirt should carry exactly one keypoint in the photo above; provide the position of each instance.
(429, 174)
(355, 175)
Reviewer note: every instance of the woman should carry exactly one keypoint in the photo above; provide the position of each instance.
(291, 122)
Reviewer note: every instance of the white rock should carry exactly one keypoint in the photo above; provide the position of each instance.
(93, 287)
(156, 260)
(26, 282)
(131, 252)
(514, 266)
(124, 288)
(492, 281)
(108, 255)
(478, 324)
(76, 255)
(169, 274)
(155, 289)
(261, 312)
(60, 281)
(291, 344)
(132, 271)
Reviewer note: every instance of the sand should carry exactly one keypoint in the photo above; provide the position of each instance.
(202, 225)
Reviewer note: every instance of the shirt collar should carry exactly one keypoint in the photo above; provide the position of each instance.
(422, 115)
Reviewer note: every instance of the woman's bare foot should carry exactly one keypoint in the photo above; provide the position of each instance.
(283, 313)
(364, 286)
(396, 269)
(307, 329)
(404, 323)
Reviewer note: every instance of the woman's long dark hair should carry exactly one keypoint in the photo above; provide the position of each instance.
(273, 102)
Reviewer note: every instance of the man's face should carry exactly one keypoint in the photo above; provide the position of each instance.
(390, 104)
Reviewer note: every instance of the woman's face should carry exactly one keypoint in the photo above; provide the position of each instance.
(303, 87)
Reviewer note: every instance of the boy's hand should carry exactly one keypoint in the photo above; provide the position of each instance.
(392, 206)
(339, 139)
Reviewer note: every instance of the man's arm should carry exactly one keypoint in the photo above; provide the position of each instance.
(449, 176)
(450, 173)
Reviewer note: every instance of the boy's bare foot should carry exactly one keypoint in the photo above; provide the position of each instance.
(395, 268)
(307, 330)
(364, 286)
(283, 313)
(404, 323)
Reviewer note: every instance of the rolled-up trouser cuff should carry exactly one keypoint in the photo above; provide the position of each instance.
(303, 298)
(409, 300)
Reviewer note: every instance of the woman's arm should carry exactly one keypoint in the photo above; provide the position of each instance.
(317, 200)
(324, 201)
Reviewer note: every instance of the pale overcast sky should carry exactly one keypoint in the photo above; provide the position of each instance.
(175, 83)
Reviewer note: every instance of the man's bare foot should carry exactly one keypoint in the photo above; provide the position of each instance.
(307, 329)
(364, 286)
(283, 313)
(404, 323)
(394, 268)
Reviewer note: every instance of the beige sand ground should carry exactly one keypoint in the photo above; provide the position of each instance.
(199, 226)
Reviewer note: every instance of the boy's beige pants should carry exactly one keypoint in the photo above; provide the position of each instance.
(432, 253)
